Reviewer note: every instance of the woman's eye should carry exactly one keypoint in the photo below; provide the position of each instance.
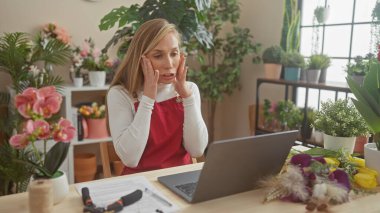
(173, 54)
(157, 56)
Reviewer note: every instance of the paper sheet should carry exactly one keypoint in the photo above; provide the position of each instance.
(106, 192)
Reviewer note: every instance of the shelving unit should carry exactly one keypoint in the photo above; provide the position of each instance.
(68, 93)
(336, 87)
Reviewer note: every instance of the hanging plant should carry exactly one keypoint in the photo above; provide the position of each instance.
(321, 14)
(376, 12)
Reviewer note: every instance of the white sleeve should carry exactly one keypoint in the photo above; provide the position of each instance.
(195, 135)
(129, 130)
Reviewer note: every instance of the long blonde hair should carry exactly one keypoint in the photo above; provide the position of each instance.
(129, 73)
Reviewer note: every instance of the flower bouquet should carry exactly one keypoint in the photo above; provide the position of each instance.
(95, 116)
(37, 106)
(320, 178)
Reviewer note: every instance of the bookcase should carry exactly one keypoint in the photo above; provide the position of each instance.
(73, 96)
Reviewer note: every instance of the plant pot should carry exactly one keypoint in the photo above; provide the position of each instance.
(78, 81)
(97, 128)
(312, 76)
(306, 131)
(359, 144)
(322, 76)
(272, 71)
(84, 167)
(97, 78)
(292, 73)
(372, 158)
(60, 186)
(118, 167)
(359, 79)
(336, 143)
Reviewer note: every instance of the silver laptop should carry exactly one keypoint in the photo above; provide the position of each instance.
(233, 166)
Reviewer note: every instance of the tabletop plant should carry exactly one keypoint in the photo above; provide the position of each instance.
(293, 59)
(340, 119)
(317, 62)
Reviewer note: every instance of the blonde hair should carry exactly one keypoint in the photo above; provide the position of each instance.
(129, 73)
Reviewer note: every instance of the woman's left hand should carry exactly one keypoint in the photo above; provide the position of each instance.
(180, 81)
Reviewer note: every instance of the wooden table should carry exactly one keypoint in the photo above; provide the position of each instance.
(250, 201)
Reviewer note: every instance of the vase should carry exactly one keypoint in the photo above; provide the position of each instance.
(97, 128)
(372, 158)
(60, 186)
(84, 167)
(78, 81)
(337, 143)
(97, 78)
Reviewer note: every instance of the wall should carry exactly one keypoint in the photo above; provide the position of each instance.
(264, 19)
(81, 18)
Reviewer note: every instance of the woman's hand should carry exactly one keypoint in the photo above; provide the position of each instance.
(150, 78)
(180, 81)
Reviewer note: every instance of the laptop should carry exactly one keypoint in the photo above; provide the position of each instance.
(233, 166)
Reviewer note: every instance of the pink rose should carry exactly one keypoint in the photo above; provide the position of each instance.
(24, 102)
(64, 131)
(19, 141)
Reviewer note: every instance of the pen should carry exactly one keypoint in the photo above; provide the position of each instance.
(157, 197)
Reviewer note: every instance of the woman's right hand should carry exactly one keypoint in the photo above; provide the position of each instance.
(150, 78)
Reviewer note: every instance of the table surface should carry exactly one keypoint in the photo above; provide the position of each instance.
(250, 201)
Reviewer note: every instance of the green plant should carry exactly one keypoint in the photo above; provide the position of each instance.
(272, 55)
(293, 59)
(189, 16)
(290, 36)
(326, 61)
(360, 65)
(317, 62)
(289, 115)
(220, 65)
(368, 99)
(340, 119)
(320, 13)
(376, 12)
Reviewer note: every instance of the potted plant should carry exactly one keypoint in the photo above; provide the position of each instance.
(341, 124)
(95, 116)
(326, 63)
(359, 68)
(289, 115)
(94, 61)
(314, 66)
(367, 103)
(272, 61)
(293, 62)
(321, 14)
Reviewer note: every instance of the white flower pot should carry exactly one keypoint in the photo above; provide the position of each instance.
(78, 82)
(372, 158)
(60, 187)
(97, 78)
(336, 143)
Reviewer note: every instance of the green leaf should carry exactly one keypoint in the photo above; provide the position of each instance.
(202, 4)
(369, 116)
(321, 152)
(110, 19)
(55, 157)
(363, 96)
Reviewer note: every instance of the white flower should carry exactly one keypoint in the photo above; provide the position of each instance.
(34, 69)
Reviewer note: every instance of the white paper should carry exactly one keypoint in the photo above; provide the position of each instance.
(107, 191)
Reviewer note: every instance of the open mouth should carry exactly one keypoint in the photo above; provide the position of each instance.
(168, 75)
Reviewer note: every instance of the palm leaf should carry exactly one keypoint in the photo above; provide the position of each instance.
(54, 52)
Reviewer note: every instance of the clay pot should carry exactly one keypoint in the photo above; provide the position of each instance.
(118, 167)
(97, 128)
(359, 144)
(84, 167)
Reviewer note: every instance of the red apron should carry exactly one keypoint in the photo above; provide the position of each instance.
(164, 147)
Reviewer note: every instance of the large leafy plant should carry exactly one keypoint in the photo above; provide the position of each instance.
(220, 65)
(367, 99)
(187, 15)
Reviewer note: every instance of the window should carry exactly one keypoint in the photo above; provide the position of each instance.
(345, 35)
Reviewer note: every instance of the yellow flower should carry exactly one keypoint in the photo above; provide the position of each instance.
(358, 162)
(332, 161)
(366, 170)
(365, 180)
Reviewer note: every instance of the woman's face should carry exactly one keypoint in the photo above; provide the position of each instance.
(165, 58)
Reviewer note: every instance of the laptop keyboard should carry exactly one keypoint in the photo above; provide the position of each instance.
(187, 188)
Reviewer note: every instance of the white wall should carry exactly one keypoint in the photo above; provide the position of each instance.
(81, 18)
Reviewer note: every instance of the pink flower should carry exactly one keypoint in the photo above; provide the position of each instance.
(39, 128)
(273, 108)
(64, 131)
(109, 63)
(24, 102)
(48, 102)
(96, 53)
(19, 141)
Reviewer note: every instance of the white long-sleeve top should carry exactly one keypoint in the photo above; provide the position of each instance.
(130, 128)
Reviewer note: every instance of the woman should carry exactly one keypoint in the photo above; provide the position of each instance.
(154, 113)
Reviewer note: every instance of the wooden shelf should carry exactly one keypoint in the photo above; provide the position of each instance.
(91, 141)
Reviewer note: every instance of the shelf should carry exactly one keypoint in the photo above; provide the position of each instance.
(85, 88)
(91, 141)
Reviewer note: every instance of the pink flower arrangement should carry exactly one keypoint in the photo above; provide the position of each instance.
(37, 106)
(52, 30)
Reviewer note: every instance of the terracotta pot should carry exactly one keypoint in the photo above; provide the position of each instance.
(97, 128)
(118, 167)
(359, 144)
(272, 71)
(84, 167)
